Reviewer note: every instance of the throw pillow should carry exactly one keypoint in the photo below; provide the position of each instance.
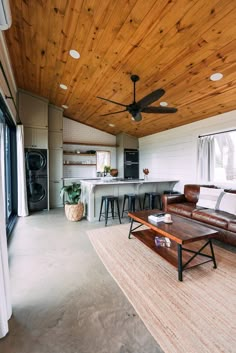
(227, 203)
(208, 197)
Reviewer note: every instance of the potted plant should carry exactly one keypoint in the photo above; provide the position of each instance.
(107, 170)
(74, 209)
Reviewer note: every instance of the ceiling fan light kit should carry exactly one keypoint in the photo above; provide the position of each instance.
(143, 105)
(163, 104)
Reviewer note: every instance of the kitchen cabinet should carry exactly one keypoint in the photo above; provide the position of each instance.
(127, 141)
(55, 165)
(36, 138)
(55, 188)
(55, 126)
(55, 140)
(55, 118)
(33, 110)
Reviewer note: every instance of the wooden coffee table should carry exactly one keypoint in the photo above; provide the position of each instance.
(181, 232)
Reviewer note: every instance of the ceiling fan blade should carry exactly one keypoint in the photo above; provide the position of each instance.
(108, 100)
(138, 117)
(159, 110)
(151, 98)
(120, 111)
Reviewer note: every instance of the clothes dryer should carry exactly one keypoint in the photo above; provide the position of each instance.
(36, 162)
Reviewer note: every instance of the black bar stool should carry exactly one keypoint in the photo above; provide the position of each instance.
(110, 201)
(131, 198)
(152, 198)
(171, 192)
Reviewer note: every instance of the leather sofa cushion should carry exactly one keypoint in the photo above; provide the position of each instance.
(182, 209)
(232, 225)
(216, 218)
(191, 192)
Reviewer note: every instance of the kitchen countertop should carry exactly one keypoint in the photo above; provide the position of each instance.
(93, 190)
(78, 178)
(112, 181)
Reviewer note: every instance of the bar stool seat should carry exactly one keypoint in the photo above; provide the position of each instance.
(131, 198)
(152, 198)
(171, 192)
(109, 212)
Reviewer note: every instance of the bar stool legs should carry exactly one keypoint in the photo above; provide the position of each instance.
(131, 198)
(151, 197)
(109, 201)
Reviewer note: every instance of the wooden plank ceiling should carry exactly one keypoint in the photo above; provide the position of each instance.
(171, 44)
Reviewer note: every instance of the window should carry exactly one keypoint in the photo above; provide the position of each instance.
(8, 173)
(225, 156)
(8, 164)
(217, 157)
(103, 159)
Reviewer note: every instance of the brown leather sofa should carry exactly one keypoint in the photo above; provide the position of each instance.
(185, 205)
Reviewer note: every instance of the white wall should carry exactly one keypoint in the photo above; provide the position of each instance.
(173, 153)
(77, 132)
(4, 90)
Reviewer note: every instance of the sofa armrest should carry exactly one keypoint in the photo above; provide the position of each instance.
(168, 199)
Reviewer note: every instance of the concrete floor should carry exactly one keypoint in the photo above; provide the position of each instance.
(64, 300)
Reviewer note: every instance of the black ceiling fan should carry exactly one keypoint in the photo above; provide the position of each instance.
(142, 105)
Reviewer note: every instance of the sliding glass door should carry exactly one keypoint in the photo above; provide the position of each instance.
(8, 165)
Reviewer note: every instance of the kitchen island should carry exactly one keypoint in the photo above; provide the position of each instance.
(94, 189)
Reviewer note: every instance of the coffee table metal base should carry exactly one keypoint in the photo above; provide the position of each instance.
(147, 235)
(182, 267)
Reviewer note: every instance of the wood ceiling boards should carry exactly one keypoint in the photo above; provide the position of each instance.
(170, 44)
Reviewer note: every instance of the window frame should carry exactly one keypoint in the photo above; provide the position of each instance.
(10, 166)
(107, 164)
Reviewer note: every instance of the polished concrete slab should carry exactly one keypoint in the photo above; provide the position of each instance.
(64, 300)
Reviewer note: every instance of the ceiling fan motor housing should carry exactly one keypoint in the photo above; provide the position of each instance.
(133, 109)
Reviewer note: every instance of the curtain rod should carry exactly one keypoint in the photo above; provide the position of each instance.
(217, 133)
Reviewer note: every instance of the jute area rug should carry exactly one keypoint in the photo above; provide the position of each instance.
(193, 316)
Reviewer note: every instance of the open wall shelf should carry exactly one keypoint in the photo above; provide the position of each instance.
(79, 154)
(80, 164)
(89, 144)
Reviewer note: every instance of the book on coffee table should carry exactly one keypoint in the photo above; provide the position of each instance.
(158, 217)
(162, 241)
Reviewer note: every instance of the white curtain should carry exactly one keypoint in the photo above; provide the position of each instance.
(206, 158)
(5, 301)
(22, 209)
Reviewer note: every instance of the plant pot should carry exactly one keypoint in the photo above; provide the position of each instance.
(74, 213)
(114, 172)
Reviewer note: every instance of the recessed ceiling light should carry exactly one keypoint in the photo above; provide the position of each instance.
(64, 106)
(63, 86)
(216, 77)
(111, 125)
(163, 104)
(74, 53)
